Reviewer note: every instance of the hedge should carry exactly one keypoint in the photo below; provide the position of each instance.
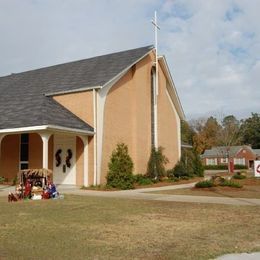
(224, 167)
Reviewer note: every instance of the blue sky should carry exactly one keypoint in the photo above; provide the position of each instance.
(212, 46)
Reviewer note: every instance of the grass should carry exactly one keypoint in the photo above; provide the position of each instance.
(250, 189)
(105, 228)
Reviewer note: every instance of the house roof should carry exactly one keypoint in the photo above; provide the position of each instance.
(23, 100)
(221, 151)
(256, 151)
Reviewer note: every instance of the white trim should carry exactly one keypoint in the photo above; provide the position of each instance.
(45, 149)
(174, 96)
(178, 121)
(86, 175)
(95, 137)
(45, 127)
(71, 91)
(85, 161)
(123, 72)
(1, 139)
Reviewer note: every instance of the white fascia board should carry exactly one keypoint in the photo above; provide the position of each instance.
(123, 72)
(45, 127)
(71, 91)
(176, 100)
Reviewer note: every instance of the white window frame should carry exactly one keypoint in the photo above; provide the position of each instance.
(224, 160)
(240, 161)
(211, 161)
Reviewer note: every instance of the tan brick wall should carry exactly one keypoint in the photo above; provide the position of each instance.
(167, 124)
(9, 161)
(127, 118)
(35, 151)
(80, 104)
(91, 160)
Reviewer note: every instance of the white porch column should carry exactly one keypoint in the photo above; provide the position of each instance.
(85, 160)
(1, 138)
(45, 149)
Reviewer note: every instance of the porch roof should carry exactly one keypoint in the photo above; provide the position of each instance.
(28, 112)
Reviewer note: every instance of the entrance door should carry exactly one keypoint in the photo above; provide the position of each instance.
(64, 163)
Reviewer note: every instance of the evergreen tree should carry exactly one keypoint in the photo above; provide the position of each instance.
(120, 173)
(156, 164)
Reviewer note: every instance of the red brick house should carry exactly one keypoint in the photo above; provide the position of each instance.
(241, 155)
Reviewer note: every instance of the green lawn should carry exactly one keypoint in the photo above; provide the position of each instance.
(108, 228)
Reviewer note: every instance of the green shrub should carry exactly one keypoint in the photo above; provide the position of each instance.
(156, 164)
(141, 179)
(240, 166)
(216, 167)
(120, 173)
(231, 184)
(204, 184)
(189, 166)
(239, 176)
(179, 171)
(2, 180)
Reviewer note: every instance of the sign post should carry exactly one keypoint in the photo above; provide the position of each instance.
(257, 168)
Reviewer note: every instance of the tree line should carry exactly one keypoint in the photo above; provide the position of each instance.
(204, 133)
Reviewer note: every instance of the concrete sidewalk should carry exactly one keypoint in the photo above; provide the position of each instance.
(145, 195)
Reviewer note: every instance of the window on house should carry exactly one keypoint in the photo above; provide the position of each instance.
(224, 160)
(211, 161)
(24, 151)
(240, 161)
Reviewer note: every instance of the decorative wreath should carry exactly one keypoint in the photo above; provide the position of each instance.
(58, 158)
(68, 158)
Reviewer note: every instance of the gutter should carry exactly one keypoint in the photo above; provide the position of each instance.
(46, 127)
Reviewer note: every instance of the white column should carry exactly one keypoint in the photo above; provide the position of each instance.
(1, 138)
(85, 161)
(45, 149)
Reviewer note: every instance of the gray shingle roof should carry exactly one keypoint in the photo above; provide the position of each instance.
(220, 151)
(22, 95)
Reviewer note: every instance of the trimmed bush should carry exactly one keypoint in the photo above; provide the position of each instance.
(179, 171)
(141, 179)
(239, 176)
(216, 167)
(189, 166)
(120, 173)
(224, 167)
(156, 164)
(240, 167)
(231, 184)
(204, 184)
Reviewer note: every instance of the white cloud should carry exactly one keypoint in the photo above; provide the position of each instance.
(212, 47)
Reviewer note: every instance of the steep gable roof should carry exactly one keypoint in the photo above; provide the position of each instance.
(22, 95)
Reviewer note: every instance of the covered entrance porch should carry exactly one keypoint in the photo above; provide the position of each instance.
(65, 152)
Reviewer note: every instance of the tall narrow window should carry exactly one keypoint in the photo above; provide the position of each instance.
(152, 106)
(24, 151)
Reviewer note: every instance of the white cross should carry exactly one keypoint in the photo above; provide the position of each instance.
(156, 28)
